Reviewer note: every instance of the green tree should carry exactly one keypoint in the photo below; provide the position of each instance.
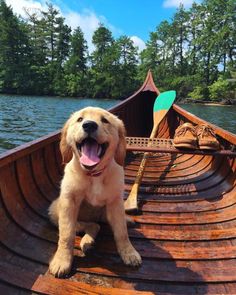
(50, 41)
(50, 22)
(62, 48)
(220, 89)
(199, 93)
(57, 36)
(78, 53)
(38, 43)
(225, 26)
(208, 47)
(125, 65)
(76, 66)
(102, 59)
(189, 54)
(180, 33)
(194, 35)
(150, 56)
(15, 52)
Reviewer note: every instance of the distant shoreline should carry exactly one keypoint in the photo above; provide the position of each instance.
(208, 104)
(226, 102)
(223, 102)
(216, 104)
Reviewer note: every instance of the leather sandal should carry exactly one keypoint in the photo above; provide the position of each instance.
(185, 136)
(206, 137)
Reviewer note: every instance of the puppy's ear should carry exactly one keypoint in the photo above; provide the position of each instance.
(65, 149)
(121, 148)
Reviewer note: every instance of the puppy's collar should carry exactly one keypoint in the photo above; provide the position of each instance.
(96, 173)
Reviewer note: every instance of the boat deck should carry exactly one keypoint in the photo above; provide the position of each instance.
(185, 230)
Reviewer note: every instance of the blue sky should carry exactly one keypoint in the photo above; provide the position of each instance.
(134, 18)
(130, 17)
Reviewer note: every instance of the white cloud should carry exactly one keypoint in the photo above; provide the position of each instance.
(31, 5)
(176, 3)
(138, 42)
(87, 20)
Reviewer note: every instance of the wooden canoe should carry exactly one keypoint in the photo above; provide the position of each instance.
(185, 231)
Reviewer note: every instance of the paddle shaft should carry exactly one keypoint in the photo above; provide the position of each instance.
(161, 106)
(157, 121)
(132, 203)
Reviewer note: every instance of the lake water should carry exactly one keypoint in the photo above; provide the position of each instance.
(222, 116)
(24, 118)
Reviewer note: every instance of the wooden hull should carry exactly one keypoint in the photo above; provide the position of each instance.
(185, 233)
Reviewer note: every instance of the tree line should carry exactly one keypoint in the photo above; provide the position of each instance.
(193, 53)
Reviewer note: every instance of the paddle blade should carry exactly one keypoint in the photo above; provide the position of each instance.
(161, 107)
(164, 101)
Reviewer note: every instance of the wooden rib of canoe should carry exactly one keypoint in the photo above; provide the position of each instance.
(185, 230)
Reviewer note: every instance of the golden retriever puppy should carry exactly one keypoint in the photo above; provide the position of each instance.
(93, 146)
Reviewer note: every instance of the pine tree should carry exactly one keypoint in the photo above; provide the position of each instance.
(15, 52)
(150, 58)
(126, 69)
(76, 66)
(180, 38)
(102, 60)
(61, 54)
(39, 68)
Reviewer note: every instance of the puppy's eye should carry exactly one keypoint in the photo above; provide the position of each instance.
(104, 120)
(80, 119)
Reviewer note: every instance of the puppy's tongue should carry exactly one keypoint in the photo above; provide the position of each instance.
(89, 152)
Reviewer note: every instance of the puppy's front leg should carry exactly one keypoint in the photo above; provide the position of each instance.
(116, 218)
(67, 218)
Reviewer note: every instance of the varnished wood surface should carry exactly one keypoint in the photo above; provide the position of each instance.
(185, 230)
(166, 146)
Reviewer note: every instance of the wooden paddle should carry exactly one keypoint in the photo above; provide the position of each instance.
(161, 106)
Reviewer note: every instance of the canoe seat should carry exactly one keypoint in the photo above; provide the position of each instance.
(163, 145)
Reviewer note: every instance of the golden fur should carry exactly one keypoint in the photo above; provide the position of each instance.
(90, 194)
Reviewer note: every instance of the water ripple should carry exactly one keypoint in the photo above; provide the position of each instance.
(25, 118)
(223, 116)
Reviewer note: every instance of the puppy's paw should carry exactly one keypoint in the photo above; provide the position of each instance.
(61, 263)
(130, 256)
(86, 243)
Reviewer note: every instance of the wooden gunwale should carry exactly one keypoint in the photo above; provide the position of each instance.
(25, 149)
(185, 231)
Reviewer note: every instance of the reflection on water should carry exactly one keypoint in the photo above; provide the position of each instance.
(24, 118)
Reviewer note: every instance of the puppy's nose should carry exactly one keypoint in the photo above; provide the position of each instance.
(90, 126)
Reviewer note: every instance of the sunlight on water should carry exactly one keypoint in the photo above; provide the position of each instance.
(24, 118)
